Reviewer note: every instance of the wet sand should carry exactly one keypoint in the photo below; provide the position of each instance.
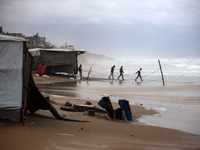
(43, 131)
(178, 102)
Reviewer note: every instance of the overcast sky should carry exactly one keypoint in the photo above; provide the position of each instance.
(118, 28)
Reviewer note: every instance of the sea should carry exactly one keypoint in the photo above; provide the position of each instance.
(181, 115)
(178, 70)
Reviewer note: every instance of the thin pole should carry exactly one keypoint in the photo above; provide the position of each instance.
(89, 73)
(22, 113)
(23, 82)
(161, 73)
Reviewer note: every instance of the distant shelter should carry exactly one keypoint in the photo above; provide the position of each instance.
(54, 61)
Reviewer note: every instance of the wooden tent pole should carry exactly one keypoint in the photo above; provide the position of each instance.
(23, 114)
(24, 59)
(161, 73)
(89, 73)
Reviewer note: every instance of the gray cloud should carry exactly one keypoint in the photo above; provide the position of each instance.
(127, 28)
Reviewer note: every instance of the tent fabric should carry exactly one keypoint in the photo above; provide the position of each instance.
(106, 104)
(11, 64)
(41, 69)
(27, 73)
(36, 56)
(35, 52)
(11, 38)
(37, 101)
(60, 69)
(118, 114)
(11, 74)
(53, 58)
(12, 114)
(124, 104)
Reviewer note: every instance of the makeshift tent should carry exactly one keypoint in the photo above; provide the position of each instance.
(15, 71)
(51, 61)
(18, 92)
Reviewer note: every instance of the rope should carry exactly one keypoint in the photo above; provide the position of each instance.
(146, 74)
(151, 73)
(146, 81)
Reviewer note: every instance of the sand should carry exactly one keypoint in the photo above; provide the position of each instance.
(43, 132)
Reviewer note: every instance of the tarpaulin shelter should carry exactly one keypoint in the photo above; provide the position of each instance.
(18, 92)
(51, 61)
(15, 71)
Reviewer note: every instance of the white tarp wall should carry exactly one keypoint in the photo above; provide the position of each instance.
(11, 63)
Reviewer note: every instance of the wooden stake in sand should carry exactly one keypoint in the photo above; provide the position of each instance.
(89, 73)
(161, 73)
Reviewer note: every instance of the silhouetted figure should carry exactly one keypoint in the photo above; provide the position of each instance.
(112, 72)
(121, 73)
(139, 74)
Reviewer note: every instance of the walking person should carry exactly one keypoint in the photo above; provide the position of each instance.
(80, 71)
(139, 74)
(121, 73)
(112, 72)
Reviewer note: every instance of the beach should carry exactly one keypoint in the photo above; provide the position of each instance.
(67, 66)
(43, 131)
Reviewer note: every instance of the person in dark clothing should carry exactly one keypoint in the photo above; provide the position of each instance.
(139, 74)
(80, 71)
(121, 73)
(112, 72)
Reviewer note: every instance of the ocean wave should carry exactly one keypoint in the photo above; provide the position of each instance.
(175, 67)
